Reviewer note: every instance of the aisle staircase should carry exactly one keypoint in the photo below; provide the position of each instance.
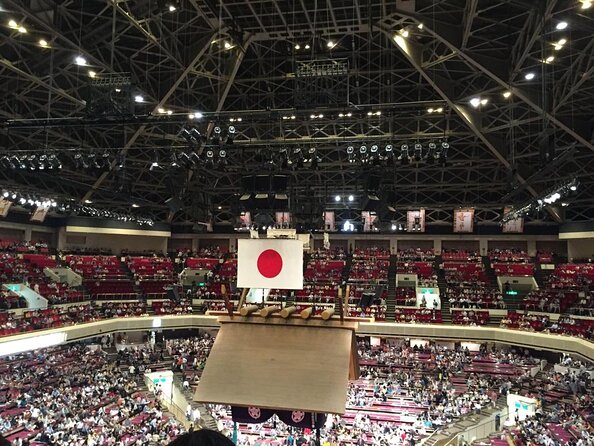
(391, 298)
(206, 419)
(447, 436)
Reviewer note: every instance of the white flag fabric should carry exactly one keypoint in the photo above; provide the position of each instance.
(270, 263)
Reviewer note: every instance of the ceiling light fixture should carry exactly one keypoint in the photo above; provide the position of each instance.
(92, 74)
(22, 30)
(506, 94)
(529, 76)
(43, 43)
(561, 26)
(586, 4)
(138, 98)
(81, 61)
(12, 24)
(475, 102)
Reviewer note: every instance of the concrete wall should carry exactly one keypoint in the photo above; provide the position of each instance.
(580, 248)
(114, 242)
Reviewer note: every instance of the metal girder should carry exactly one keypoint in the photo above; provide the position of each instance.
(413, 53)
(469, 14)
(492, 69)
(7, 64)
(203, 45)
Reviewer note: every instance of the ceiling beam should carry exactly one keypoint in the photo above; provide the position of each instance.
(494, 70)
(203, 46)
(413, 53)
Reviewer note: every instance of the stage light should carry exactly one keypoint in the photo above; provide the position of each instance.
(22, 30)
(307, 46)
(475, 102)
(5, 194)
(81, 61)
(418, 152)
(134, 205)
(330, 44)
(138, 98)
(351, 198)
(172, 8)
(529, 76)
(586, 4)
(12, 24)
(297, 47)
(92, 74)
(363, 150)
(337, 198)
(43, 43)
(549, 59)
(561, 26)
(506, 94)
(374, 148)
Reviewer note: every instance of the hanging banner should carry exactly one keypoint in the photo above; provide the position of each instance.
(283, 219)
(513, 226)
(39, 213)
(329, 221)
(369, 219)
(295, 418)
(4, 207)
(245, 220)
(415, 221)
(464, 220)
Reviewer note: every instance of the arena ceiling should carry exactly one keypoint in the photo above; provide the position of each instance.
(405, 72)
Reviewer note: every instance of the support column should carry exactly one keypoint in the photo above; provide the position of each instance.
(393, 246)
(532, 248)
(194, 244)
(437, 246)
(483, 246)
(232, 244)
(27, 234)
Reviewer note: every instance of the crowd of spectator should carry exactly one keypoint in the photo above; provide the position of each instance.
(74, 396)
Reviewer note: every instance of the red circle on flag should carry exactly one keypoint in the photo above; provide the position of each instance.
(270, 263)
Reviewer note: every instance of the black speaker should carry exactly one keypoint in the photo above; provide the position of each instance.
(174, 204)
(366, 300)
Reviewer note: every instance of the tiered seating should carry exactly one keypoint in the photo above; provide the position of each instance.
(416, 261)
(21, 268)
(417, 315)
(583, 328)
(370, 264)
(525, 321)
(460, 255)
(324, 266)
(552, 301)
(104, 276)
(23, 246)
(470, 317)
(228, 271)
(172, 307)
(513, 269)
(465, 272)
(508, 256)
(153, 275)
(511, 262)
(209, 263)
(313, 292)
(474, 297)
(406, 296)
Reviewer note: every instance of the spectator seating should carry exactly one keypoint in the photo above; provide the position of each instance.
(370, 264)
(152, 274)
(513, 269)
(474, 297)
(162, 307)
(418, 315)
(104, 276)
(508, 256)
(525, 321)
(208, 263)
(465, 272)
(460, 255)
(470, 317)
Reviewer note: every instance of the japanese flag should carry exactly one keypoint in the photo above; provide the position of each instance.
(270, 263)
